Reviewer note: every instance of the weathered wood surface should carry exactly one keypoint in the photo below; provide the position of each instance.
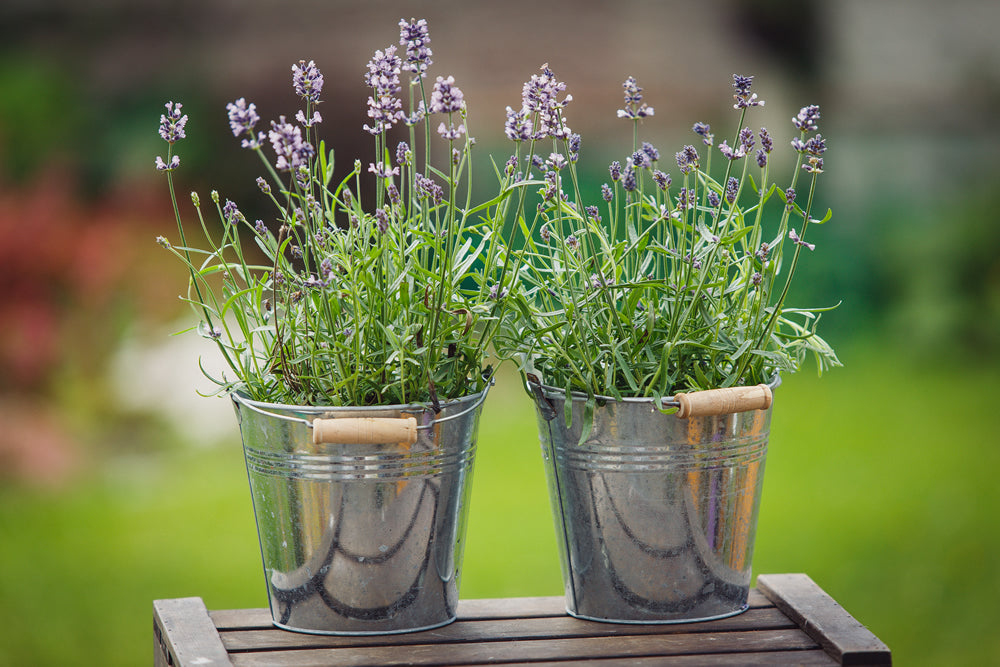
(822, 618)
(183, 634)
(793, 624)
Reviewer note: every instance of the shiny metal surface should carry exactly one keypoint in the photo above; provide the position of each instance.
(655, 515)
(360, 539)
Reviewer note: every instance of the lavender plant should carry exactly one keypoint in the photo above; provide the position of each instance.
(653, 287)
(340, 304)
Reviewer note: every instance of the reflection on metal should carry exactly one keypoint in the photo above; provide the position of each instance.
(360, 538)
(655, 515)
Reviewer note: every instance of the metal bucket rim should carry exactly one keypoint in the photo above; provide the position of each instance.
(267, 408)
(667, 400)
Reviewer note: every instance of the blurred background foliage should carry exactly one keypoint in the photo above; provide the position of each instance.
(119, 485)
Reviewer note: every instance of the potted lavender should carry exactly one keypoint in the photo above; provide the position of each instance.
(652, 326)
(355, 331)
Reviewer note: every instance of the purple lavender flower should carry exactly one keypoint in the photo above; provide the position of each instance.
(713, 199)
(765, 140)
(550, 189)
(427, 188)
(382, 220)
(497, 292)
(263, 185)
(402, 151)
(574, 147)
(556, 161)
(806, 118)
(640, 160)
(175, 162)
(761, 158)
(593, 213)
(732, 189)
(687, 159)
(762, 251)
(308, 122)
(635, 108)
(539, 96)
(732, 153)
(756, 278)
(511, 166)
(814, 165)
(572, 243)
(685, 199)
(606, 193)
(292, 151)
(518, 125)
(307, 81)
(747, 140)
(450, 132)
(382, 170)
(703, 130)
(744, 98)
(793, 235)
(615, 170)
(383, 78)
(172, 123)
(661, 179)
(650, 150)
(789, 197)
(230, 213)
(259, 227)
(629, 180)
(545, 233)
(393, 192)
(815, 145)
(446, 97)
(414, 36)
(242, 119)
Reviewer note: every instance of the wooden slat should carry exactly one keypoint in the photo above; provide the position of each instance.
(578, 649)
(526, 607)
(847, 640)
(184, 635)
(814, 658)
(463, 631)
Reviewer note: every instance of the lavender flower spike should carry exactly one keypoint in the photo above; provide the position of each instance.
(446, 97)
(414, 36)
(172, 123)
(540, 96)
(292, 151)
(307, 81)
(242, 119)
(793, 235)
(744, 98)
(806, 118)
(383, 78)
(635, 108)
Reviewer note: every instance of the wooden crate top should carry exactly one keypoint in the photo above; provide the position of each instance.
(791, 620)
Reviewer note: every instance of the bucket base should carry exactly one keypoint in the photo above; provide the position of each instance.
(362, 633)
(672, 621)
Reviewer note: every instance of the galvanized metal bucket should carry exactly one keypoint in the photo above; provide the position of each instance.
(361, 512)
(656, 514)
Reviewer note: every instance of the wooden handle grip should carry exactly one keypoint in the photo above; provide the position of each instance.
(724, 401)
(365, 430)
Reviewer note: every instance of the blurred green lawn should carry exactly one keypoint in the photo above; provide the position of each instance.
(881, 485)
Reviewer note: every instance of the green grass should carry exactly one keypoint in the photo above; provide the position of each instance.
(880, 485)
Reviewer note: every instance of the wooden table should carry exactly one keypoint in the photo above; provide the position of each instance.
(791, 620)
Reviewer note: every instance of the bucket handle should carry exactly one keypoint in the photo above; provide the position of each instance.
(726, 400)
(366, 430)
(705, 403)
